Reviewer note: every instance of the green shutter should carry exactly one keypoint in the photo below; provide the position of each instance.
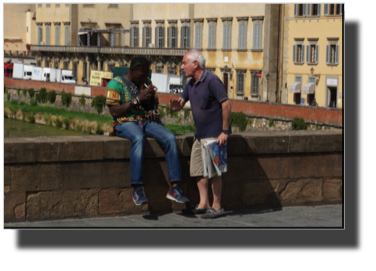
(326, 9)
(317, 53)
(57, 35)
(327, 53)
(308, 60)
(47, 35)
(294, 53)
(337, 53)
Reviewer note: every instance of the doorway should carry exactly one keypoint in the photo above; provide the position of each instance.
(332, 97)
(225, 81)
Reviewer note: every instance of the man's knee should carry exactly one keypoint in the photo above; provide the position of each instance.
(140, 138)
(170, 138)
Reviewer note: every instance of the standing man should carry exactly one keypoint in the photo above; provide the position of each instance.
(211, 112)
(134, 111)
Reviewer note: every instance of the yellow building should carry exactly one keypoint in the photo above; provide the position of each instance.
(312, 54)
(18, 28)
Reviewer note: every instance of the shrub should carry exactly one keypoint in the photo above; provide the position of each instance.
(82, 100)
(31, 92)
(186, 113)
(88, 130)
(78, 128)
(51, 96)
(33, 102)
(271, 123)
(43, 95)
(58, 123)
(5, 115)
(66, 98)
(38, 98)
(22, 103)
(31, 118)
(98, 129)
(13, 102)
(8, 97)
(98, 103)
(66, 122)
(240, 120)
(18, 92)
(24, 92)
(298, 124)
(162, 112)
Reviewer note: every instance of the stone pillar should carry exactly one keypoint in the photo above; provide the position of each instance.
(271, 47)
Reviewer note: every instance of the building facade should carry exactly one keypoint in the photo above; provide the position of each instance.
(312, 54)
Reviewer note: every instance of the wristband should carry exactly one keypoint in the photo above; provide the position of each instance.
(225, 132)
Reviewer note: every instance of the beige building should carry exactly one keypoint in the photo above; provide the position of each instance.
(19, 24)
(312, 54)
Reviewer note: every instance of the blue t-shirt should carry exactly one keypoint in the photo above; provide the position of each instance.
(206, 97)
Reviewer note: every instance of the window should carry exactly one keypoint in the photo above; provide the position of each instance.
(198, 33)
(313, 9)
(158, 69)
(38, 63)
(240, 82)
(254, 83)
(298, 53)
(67, 5)
(171, 70)
(56, 64)
(84, 70)
(48, 5)
(57, 35)
(113, 39)
(47, 35)
(66, 35)
(66, 65)
(39, 35)
(113, 5)
(159, 37)
(146, 36)
(172, 37)
(257, 35)
(242, 34)
(88, 5)
(75, 64)
(47, 63)
(110, 68)
(57, 5)
(211, 36)
(184, 42)
(332, 52)
(332, 9)
(299, 10)
(226, 36)
(39, 5)
(134, 37)
(313, 53)
(297, 96)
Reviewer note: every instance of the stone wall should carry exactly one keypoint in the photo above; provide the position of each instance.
(88, 176)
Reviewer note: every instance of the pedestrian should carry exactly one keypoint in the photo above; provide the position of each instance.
(134, 109)
(211, 110)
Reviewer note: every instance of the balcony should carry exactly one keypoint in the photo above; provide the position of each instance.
(110, 50)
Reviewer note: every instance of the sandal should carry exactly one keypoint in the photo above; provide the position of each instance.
(212, 213)
(195, 211)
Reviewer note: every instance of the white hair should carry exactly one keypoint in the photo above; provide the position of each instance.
(196, 55)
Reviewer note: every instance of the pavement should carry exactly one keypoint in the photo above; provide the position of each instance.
(293, 216)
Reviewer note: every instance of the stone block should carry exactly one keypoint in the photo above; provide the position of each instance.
(317, 142)
(306, 165)
(332, 190)
(238, 168)
(266, 144)
(19, 152)
(116, 173)
(155, 172)
(80, 151)
(62, 204)
(301, 191)
(270, 167)
(333, 165)
(38, 177)
(184, 144)
(237, 145)
(6, 175)
(116, 148)
(14, 206)
(118, 200)
(82, 175)
(262, 192)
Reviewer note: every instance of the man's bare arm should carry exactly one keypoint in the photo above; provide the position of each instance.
(226, 115)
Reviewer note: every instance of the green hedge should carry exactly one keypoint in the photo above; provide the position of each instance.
(298, 124)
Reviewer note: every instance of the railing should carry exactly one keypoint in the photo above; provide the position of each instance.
(110, 50)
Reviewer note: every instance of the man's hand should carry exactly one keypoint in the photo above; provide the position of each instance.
(146, 94)
(176, 104)
(222, 138)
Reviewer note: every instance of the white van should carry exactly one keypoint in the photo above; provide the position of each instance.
(67, 77)
(28, 72)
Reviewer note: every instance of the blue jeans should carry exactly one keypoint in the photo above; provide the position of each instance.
(132, 131)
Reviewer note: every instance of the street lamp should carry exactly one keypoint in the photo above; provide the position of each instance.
(267, 81)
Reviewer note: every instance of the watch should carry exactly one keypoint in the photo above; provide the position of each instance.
(136, 101)
(225, 132)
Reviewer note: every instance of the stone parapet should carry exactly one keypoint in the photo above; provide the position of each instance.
(86, 176)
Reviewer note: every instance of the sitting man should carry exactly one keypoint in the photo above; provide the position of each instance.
(133, 107)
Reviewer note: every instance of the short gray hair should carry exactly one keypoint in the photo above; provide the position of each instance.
(196, 55)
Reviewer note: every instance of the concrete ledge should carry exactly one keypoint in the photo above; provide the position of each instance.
(61, 177)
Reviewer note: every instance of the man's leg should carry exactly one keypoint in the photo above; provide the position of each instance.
(216, 185)
(203, 189)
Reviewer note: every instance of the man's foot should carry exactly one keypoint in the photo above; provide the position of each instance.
(175, 193)
(139, 197)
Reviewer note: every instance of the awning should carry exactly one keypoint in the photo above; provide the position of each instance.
(309, 88)
(295, 87)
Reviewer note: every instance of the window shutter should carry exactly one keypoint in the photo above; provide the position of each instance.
(337, 53)
(302, 55)
(295, 9)
(326, 9)
(225, 34)
(143, 36)
(156, 37)
(327, 53)
(318, 9)
(57, 35)
(304, 9)
(136, 36)
(66, 36)
(294, 53)
(308, 9)
(259, 36)
(254, 36)
(181, 37)
(114, 41)
(163, 37)
(317, 53)
(39, 35)
(168, 37)
(188, 37)
(308, 54)
(47, 36)
(340, 9)
(131, 37)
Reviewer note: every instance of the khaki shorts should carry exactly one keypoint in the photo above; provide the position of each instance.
(197, 165)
